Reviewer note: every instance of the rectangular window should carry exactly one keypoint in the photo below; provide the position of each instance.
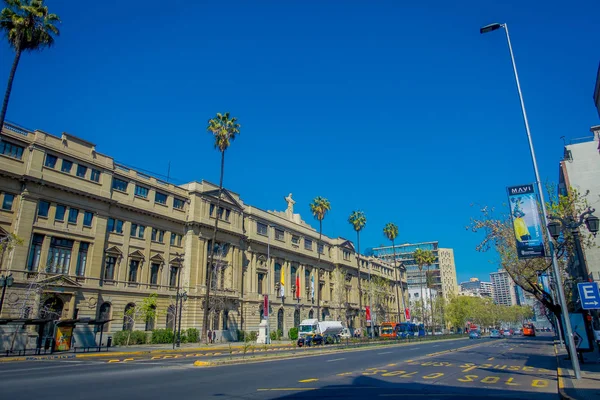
(133, 230)
(154, 234)
(109, 268)
(160, 198)
(119, 227)
(133, 270)
(260, 283)
(35, 252)
(227, 214)
(50, 161)
(59, 256)
(11, 150)
(95, 175)
(141, 231)
(295, 239)
(119, 184)
(212, 210)
(81, 170)
(110, 226)
(175, 239)
(279, 234)
(7, 202)
(320, 248)
(346, 255)
(88, 217)
(178, 203)
(73, 214)
(307, 244)
(82, 258)
(66, 166)
(59, 215)
(179, 238)
(154, 268)
(141, 191)
(261, 228)
(173, 235)
(43, 208)
(173, 274)
(161, 236)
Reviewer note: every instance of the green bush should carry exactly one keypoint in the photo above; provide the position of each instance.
(192, 335)
(161, 336)
(137, 337)
(293, 333)
(276, 335)
(253, 336)
(241, 335)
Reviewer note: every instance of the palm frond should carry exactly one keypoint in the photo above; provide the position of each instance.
(28, 25)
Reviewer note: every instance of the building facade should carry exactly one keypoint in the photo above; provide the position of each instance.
(504, 288)
(597, 91)
(580, 169)
(100, 237)
(442, 271)
(477, 288)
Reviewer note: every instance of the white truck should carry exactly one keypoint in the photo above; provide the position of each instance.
(329, 330)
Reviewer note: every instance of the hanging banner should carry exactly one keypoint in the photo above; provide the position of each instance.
(266, 306)
(407, 314)
(368, 313)
(526, 221)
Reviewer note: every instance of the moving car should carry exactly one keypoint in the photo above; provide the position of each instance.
(474, 335)
(311, 339)
(495, 334)
(528, 330)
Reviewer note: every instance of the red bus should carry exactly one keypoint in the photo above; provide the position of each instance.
(528, 330)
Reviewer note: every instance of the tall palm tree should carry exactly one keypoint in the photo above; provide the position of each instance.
(358, 221)
(28, 26)
(319, 208)
(224, 130)
(423, 258)
(391, 232)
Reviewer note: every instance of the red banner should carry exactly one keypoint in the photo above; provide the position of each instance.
(368, 309)
(266, 306)
(298, 286)
(407, 314)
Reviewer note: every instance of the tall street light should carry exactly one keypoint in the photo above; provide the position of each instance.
(555, 269)
(5, 281)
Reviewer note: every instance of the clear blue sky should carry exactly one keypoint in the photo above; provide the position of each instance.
(402, 110)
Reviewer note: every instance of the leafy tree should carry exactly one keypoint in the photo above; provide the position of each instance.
(224, 130)
(145, 311)
(7, 243)
(358, 220)
(424, 258)
(319, 208)
(28, 26)
(391, 232)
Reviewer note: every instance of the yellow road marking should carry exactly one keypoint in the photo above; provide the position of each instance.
(490, 359)
(512, 348)
(190, 355)
(114, 361)
(408, 361)
(392, 365)
(128, 359)
(167, 357)
(199, 354)
(344, 374)
(156, 357)
(308, 380)
(216, 354)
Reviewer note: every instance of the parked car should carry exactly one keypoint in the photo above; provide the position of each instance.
(495, 334)
(474, 335)
(518, 332)
(507, 333)
(310, 340)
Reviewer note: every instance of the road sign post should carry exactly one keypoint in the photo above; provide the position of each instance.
(589, 295)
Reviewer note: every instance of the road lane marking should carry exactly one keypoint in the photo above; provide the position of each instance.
(128, 359)
(308, 380)
(539, 383)
(336, 359)
(345, 374)
(437, 345)
(490, 359)
(434, 375)
(392, 365)
(156, 357)
(385, 352)
(114, 361)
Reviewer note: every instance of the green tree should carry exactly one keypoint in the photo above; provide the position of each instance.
(423, 258)
(458, 311)
(28, 26)
(224, 130)
(358, 220)
(319, 208)
(391, 232)
(7, 243)
(146, 311)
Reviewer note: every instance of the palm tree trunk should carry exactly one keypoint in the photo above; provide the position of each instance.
(422, 302)
(430, 303)
(211, 252)
(11, 78)
(319, 272)
(360, 320)
(397, 293)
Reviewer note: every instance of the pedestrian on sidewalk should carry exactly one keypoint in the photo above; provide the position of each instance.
(214, 336)
(209, 336)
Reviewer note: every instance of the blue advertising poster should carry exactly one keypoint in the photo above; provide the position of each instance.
(526, 221)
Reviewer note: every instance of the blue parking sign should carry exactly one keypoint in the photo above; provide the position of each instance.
(589, 295)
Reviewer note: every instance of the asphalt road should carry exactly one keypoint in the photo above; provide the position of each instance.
(512, 368)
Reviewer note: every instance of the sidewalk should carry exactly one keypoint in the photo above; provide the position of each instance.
(588, 387)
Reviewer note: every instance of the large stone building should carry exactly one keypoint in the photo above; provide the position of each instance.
(504, 288)
(597, 91)
(580, 169)
(99, 237)
(443, 270)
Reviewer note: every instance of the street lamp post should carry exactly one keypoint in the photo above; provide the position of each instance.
(561, 292)
(5, 281)
(181, 298)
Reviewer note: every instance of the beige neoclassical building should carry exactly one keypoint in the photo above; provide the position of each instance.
(99, 237)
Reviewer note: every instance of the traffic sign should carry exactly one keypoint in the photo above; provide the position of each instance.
(589, 294)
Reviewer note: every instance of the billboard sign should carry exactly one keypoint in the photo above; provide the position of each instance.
(526, 221)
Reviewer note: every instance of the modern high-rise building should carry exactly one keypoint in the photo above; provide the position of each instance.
(597, 91)
(504, 288)
(580, 170)
(442, 271)
(478, 288)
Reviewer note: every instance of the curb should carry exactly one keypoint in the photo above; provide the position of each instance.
(560, 379)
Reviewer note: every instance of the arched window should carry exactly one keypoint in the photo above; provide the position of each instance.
(311, 314)
(297, 318)
(128, 317)
(150, 318)
(225, 320)
(280, 320)
(104, 315)
(171, 317)
(277, 273)
(52, 308)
